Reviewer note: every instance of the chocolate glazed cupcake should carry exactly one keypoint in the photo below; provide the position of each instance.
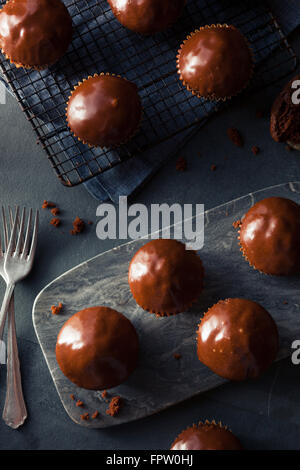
(206, 436)
(147, 16)
(237, 339)
(34, 33)
(215, 62)
(285, 117)
(104, 110)
(97, 348)
(269, 236)
(165, 278)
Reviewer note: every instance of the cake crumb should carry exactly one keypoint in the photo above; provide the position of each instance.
(85, 417)
(95, 414)
(90, 222)
(47, 204)
(259, 113)
(235, 136)
(55, 211)
(78, 226)
(255, 150)
(72, 396)
(55, 221)
(55, 310)
(177, 356)
(285, 302)
(79, 403)
(181, 164)
(213, 167)
(237, 223)
(114, 406)
(104, 394)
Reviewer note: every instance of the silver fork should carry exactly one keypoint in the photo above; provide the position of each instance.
(16, 263)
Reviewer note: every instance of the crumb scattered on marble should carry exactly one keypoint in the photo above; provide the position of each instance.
(95, 414)
(85, 416)
(114, 406)
(79, 403)
(55, 310)
(213, 167)
(72, 396)
(236, 224)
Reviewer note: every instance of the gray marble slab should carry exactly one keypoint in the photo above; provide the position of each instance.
(160, 380)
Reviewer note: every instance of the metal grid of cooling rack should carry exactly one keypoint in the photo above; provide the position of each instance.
(101, 44)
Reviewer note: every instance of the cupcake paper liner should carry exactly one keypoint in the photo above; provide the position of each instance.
(19, 65)
(166, 314)
(246, 257)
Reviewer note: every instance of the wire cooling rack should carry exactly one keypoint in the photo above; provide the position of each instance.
(101, 44)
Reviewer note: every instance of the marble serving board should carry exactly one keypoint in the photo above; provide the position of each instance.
(160, 380)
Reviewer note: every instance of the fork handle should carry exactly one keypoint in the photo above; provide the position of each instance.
(4, 307)
(14, 412)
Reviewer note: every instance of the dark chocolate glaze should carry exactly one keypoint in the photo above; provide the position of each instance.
(35, 33)
(165, 278)
(97, 348)
(206, 436)
(237, 339)
(215, 62)
(104, 110)
(285, 116)
(147, 16)
(270, 236)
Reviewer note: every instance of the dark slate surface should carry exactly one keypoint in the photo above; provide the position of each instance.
(266, 413)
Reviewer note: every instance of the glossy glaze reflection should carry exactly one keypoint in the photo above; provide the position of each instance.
(270, 236)
(97, 348)
(165, 278)
(237, 339)
(147, 16)
(104, 110)
(35, 33)
(215, 62)
(206, 436)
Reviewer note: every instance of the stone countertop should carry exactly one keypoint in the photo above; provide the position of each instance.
(264, 414)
